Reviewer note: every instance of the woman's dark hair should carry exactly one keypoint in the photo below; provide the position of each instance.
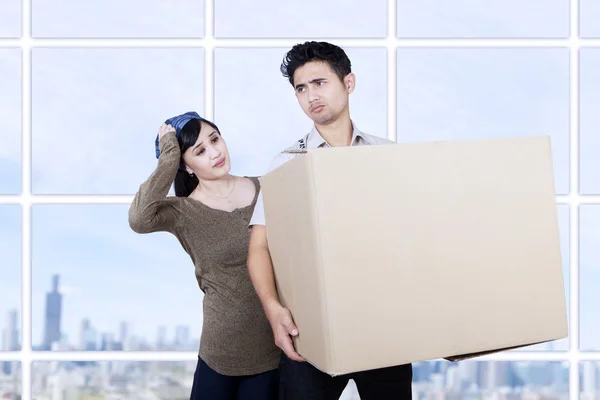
(302, 53)
(185, 183)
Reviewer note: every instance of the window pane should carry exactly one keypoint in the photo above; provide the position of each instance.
(115, 18)
(159, 380)
(589, 376)
(10, 121)
(10, 380)
(83, 252)
(589, 14)
(10, 18)
(470, 380)
(564, 229)
(454, 94)
(589, 128)
(314, 19)
(490, 19)
(10, 284)
(589, 277)
(259, 123)
(96, 113)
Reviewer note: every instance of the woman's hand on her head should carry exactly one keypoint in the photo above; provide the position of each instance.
(164, 129)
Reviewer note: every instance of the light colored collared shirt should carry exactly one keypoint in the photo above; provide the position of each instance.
(313, 140)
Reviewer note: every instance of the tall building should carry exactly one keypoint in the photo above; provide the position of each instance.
(161, 339)
(182, 336)
(589, 381)
(12, 339)
(84, 329)
(53, 315)
(124, 336)
(4, 342)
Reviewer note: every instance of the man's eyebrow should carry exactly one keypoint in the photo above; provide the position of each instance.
(311, 81)
(209, 136)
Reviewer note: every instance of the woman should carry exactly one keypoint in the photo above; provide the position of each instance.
(209, 215)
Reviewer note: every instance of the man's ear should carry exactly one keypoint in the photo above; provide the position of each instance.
(350, 82)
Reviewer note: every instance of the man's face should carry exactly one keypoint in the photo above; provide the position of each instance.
(321, 94)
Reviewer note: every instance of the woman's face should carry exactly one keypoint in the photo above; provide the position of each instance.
(208, 158)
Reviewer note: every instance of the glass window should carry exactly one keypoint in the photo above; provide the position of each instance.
(81, 253)
(454, 94)
(10, 284)
(115, 18)
(589, 14)
(10, 18)
(589, 120)
(108, 379)
(10, 121)
(589, 277)
(476, 19)
(314, 19)
(96, 113)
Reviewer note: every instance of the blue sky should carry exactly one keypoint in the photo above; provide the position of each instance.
(589, 120)
(96, 113)
(10, 120)
(109, 273)
(10, 266)
(589, 277)
(106, 146)
(589, 15)
(449, 94)
(474, 18)
(10, 18)
(114, 18)
(278, 19)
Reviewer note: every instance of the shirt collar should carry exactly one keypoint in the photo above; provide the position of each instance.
(315, 140)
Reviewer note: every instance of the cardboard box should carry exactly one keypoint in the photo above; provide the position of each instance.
(399, 253)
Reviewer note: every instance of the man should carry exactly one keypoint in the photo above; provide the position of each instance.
(322, 79)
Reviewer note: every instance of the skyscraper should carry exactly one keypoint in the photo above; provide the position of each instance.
(12, 339)
(124, 336)
(182, 336)
(83, 333)
(53, 315)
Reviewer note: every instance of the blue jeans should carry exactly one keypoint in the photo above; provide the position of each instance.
(302, 381)
(210, 385)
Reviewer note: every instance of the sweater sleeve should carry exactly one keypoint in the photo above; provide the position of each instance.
(151, 209)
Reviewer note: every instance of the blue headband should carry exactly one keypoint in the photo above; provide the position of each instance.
(177, 122)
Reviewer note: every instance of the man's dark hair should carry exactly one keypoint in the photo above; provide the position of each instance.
(302, 53)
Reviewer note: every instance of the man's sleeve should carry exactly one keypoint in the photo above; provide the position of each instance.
(258, 216)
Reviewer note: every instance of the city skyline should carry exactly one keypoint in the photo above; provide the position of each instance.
(92, 339)
(83, 112)
(141, 273)
(465, 380)
(142, 328)
(126, 257)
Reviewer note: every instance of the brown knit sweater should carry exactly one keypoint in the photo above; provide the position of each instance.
(236, 336)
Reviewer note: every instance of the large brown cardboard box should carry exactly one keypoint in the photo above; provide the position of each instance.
(399, 253)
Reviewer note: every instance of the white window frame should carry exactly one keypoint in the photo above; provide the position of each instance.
(574, 43)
